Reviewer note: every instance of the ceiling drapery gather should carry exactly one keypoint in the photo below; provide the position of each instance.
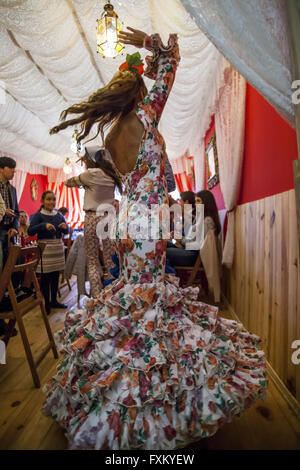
(49, 60)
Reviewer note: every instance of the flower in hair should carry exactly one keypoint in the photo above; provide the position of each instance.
(133, 62)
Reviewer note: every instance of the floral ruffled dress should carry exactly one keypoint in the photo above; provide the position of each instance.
(146, 365)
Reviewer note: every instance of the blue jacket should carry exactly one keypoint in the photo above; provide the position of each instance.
(38, 226)
(15, 207)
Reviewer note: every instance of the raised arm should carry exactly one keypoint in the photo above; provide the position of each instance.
(73, 182)
(84, 180)
(161, 67)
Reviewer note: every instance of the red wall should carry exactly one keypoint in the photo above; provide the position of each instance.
(26, 203)
(270, 148)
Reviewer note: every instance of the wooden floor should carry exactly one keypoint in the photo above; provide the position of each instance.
(269, 424)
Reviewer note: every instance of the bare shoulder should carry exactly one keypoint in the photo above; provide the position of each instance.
(131, 121)
(123, 142)
(127, 124)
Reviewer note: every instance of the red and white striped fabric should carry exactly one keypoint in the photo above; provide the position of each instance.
(184, 182)
(183, 169)
(69, 198)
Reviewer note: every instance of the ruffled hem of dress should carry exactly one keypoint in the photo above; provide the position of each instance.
(138, 353)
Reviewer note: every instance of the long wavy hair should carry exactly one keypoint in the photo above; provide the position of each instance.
(97, 160)
(106, 106)
(210, 208)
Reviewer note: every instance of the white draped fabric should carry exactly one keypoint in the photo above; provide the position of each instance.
(230, 131)
(27, 128)
(199, 166)
(18, 182)
(58, 176)
(19, 148)
(252, 35)
(181, 165)
(48, 61)
(27, 166)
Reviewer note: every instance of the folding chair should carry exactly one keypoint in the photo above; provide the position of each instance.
(197, 275)
(19, 309)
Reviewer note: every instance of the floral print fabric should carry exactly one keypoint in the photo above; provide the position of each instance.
(92, 249)
(146, 365)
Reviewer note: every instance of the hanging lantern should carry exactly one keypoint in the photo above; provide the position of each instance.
(107, 33)
(76, 146)
(68, 166)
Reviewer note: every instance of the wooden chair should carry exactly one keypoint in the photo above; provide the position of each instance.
(65, 282)
(193, 278)
(19, 309)
(69, 244)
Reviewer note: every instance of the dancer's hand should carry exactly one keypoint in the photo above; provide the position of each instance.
(63, 225)
(50, 227)
(135, 38)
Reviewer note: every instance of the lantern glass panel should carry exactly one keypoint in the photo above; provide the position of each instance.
(68, 166)
(107, 35)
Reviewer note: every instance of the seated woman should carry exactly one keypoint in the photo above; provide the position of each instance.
(211, 214)
(182, 253)
(24, 224)
(23, 231)
(177, 255)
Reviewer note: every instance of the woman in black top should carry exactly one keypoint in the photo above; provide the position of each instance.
(49, 225)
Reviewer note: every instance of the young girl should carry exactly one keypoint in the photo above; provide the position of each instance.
(49, 225)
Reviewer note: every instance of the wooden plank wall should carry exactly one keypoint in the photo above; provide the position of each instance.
(263, 286)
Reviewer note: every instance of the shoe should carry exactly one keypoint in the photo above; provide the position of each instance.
(4, 327)
(58, 305)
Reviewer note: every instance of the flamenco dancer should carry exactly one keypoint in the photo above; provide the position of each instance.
(146, 365)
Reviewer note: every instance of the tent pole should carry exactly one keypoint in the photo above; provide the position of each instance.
(293, 12)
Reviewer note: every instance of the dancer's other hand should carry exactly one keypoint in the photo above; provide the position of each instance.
(135, 38)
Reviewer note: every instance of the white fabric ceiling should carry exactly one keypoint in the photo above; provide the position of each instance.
(253, 36)
(48, 61)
